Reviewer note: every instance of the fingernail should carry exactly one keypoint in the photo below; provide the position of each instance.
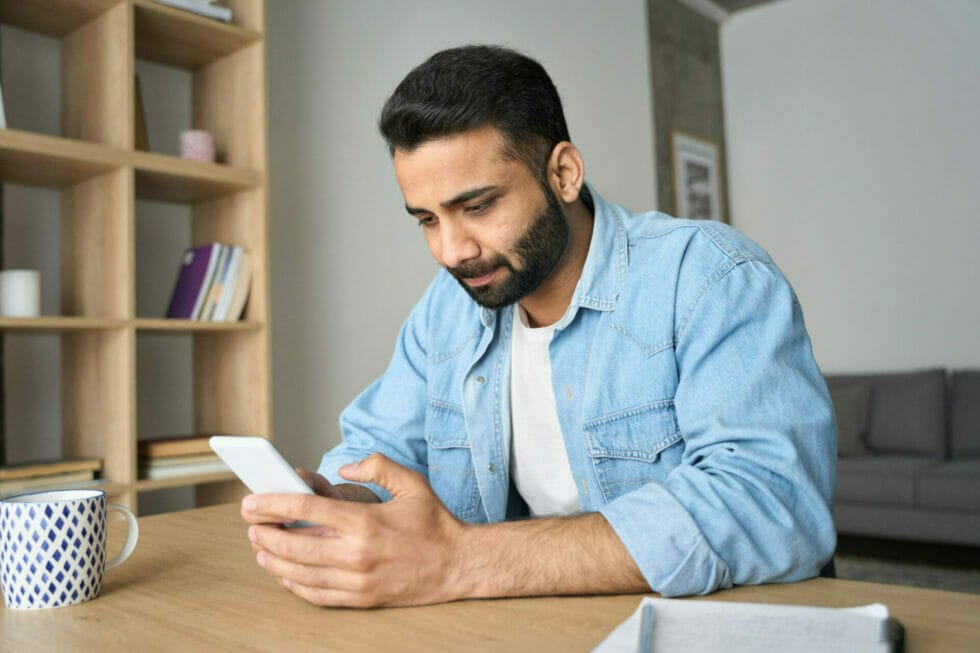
(251, 534)
(261, 559)
(286, 583)
(249, 504)
(348, 468)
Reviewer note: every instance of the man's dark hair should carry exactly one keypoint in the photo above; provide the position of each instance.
(463, 88)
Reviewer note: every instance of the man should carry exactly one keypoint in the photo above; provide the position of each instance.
(642, 387)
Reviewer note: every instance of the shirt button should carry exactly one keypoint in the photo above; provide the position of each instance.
(480, 380)
(492, 468)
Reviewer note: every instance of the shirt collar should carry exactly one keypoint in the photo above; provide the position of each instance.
(605, 265)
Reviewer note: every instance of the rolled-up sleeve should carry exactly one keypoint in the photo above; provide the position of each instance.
(750, 501)
(389, 416)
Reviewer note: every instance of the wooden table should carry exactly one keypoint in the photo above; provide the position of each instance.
(193, 585)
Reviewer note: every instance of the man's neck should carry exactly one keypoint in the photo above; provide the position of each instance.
(551, 299)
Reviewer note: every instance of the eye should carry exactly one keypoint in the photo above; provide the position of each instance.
(477, 209)
(426, 221)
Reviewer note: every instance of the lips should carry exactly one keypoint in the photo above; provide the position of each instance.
(482, 280)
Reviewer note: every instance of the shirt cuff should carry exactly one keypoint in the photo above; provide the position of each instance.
(665, 543)
(331, 463)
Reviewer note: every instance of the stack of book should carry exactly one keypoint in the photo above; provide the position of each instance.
(209, 8)
(179, 456)
(49, 475)
(212, 284)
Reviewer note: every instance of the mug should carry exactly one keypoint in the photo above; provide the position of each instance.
(52, 547)
(197, 145)
(20, 293)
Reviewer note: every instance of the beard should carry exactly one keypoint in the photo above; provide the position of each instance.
(537, 252)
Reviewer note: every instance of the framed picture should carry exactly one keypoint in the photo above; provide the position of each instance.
(697, 187)
(3, 114)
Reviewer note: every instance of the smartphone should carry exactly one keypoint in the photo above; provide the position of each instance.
(260, 467)
(258, 464)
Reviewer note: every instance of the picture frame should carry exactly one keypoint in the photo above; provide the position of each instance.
(3, 114)
(696, 166)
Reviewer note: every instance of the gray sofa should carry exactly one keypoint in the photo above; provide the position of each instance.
(908, 455)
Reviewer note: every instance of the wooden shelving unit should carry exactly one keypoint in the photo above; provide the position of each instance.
(100, 175)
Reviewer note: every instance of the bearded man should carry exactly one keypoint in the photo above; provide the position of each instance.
(585, 400)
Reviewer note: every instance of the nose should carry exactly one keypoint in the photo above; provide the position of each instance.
(457, 245)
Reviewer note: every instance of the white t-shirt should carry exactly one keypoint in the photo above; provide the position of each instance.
(538, 460)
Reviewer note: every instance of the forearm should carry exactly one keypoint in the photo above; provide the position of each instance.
(558, 555)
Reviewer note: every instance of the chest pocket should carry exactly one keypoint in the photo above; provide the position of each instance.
(451, 472)
(634, 447)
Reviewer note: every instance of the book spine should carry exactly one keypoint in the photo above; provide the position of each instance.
(228, 287)
(242, 284)
(205, 288)
(169, 471)
(216, 285)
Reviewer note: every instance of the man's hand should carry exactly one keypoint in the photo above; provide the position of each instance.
(403, 552)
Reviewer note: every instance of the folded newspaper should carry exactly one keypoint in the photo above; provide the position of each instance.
(680, 625)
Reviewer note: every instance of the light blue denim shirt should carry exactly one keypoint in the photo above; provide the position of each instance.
(694, 416)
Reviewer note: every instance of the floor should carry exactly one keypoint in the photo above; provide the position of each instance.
(935, 566)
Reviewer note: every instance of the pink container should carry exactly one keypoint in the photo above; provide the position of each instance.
(197, 145)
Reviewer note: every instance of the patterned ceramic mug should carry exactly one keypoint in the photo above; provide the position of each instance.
(52, 547)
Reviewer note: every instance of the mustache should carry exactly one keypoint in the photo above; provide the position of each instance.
(478, 268)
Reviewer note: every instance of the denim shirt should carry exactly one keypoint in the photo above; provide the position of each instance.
(694, 416)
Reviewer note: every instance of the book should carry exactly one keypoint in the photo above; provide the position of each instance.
(207, 310)
(48, 467)
(50, 481)
(201, 8)
(193, 281)
(178, 460)
(706, 626)
(185, 445)
(156, 471)
(228, 285)
(242, 285)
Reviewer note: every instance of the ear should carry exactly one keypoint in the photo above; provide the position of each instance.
(566, 171)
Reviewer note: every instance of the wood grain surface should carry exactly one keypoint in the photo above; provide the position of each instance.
(193, 585)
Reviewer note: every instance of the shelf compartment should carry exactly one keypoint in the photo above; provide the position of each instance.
(56, 324)
(41, 160)
(184, 39)
(54, 17)
(172, 179)
(151, 325)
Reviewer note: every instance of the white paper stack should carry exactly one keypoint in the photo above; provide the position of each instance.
(680, 625)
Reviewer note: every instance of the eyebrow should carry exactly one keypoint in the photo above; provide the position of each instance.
(462, 198)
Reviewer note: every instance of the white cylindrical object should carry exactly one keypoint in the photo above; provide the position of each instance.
(20, 293)
(197, 145)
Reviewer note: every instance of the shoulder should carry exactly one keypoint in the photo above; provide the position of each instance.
(703, 243)
(673, 263)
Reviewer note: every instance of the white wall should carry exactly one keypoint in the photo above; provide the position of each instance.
(854, 158)
(347, 262)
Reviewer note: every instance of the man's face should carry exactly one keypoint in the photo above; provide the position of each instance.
(485, 218)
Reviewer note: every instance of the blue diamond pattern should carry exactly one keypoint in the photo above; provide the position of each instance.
(51, 557)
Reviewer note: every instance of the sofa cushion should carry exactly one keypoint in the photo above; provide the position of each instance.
(880, 479)
(953, 485)
(908, 411)
(851, 408)
(964, 416)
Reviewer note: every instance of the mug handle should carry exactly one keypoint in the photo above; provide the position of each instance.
(134, 533)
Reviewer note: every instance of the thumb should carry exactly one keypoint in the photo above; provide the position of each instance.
(400, 481)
